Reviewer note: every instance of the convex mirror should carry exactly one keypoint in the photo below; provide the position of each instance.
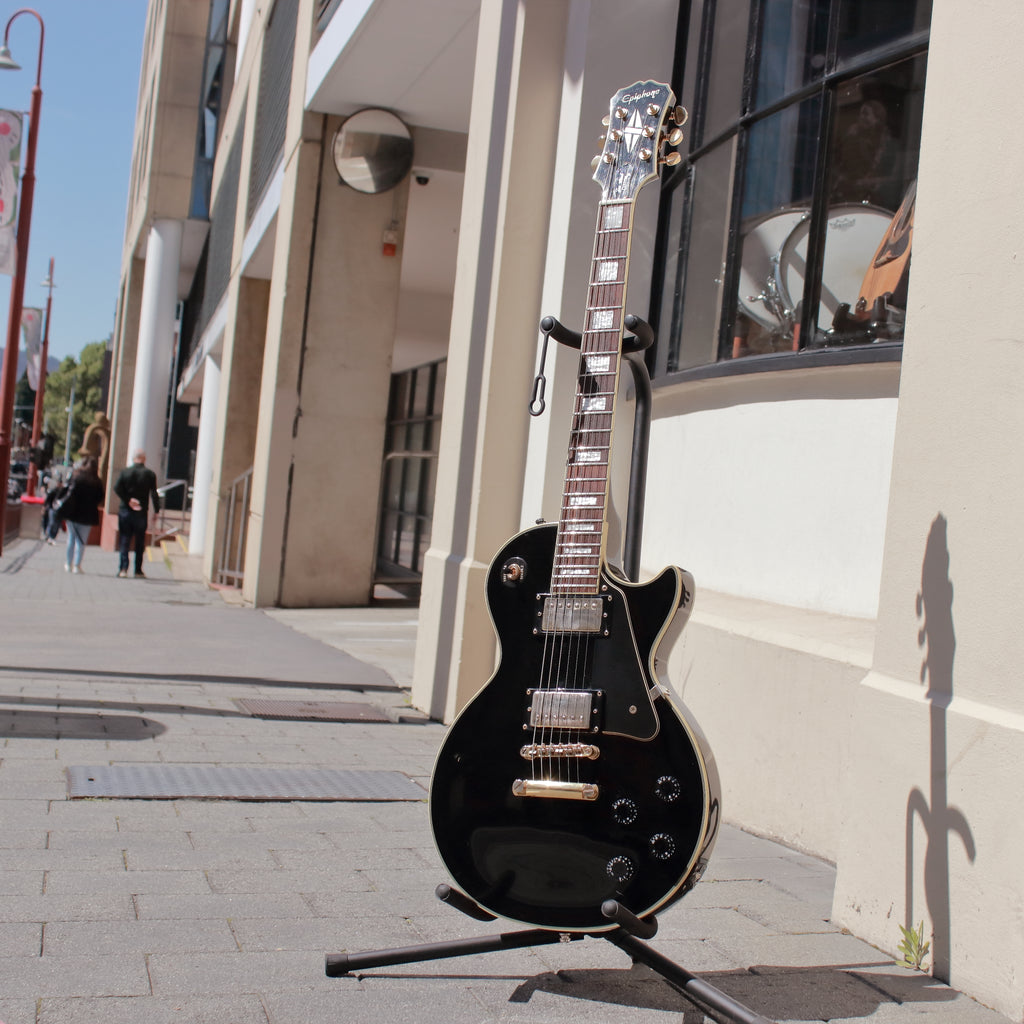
(372, 151)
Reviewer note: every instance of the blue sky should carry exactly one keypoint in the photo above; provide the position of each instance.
(90, 82)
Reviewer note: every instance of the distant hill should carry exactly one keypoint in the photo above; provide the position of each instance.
(51, 362)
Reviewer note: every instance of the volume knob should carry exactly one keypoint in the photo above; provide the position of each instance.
(662, 846)
(668, 788)
(624, 811)
(621, 869)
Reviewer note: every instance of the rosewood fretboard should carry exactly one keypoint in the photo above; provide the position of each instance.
(579, 548)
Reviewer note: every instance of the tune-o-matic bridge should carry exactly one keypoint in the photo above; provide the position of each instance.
(564, 709)
(559, 751)
(574, 613)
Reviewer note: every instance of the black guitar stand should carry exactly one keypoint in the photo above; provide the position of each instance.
(630, 930)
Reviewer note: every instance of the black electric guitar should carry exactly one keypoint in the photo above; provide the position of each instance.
(573, 777)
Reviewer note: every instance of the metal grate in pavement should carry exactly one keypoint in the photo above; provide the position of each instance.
(319, 710)
(213, 782)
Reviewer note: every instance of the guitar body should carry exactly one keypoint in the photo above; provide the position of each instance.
(635, 822)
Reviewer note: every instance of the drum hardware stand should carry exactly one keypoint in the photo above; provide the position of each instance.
(631, 929)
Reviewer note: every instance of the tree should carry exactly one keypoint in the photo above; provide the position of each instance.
(86, 375)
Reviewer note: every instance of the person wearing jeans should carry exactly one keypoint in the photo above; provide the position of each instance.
(136, 487)
(79, 508)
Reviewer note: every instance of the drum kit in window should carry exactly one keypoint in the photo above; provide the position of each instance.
(863, 279)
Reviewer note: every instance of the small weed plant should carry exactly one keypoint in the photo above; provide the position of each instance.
(913, 947)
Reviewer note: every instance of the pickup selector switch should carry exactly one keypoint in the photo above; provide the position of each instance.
(624, 811)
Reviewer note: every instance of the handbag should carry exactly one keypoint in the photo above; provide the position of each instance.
(62, 506)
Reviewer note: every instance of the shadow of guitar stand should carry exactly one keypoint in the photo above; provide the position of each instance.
(630, 930)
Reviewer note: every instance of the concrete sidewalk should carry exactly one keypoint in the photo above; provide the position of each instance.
(221, 910)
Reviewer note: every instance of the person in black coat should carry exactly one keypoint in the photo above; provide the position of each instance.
(136, 487)
(79, 509)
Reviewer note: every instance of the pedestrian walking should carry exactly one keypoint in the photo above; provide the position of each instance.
(136, 487)
(79, 508)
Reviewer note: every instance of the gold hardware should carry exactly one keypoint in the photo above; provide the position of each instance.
(653, 108)
(672, 159)
(555, 790)
(537, 751)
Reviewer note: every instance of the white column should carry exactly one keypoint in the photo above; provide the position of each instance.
(156, 341)
(202, 481)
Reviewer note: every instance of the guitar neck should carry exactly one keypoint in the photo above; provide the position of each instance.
(579, 547)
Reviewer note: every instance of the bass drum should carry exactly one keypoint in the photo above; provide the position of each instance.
(758, 294)
(852, 237)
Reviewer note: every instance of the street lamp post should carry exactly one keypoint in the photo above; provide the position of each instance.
(9, 373)
(37, 415)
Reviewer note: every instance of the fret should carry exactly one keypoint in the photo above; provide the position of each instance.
(579, 546)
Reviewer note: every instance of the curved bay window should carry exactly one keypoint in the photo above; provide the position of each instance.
(788, 225)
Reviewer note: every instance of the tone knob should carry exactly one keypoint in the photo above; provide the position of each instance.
(662, 846)
(621, 869)
(668, 788)
(624, 811)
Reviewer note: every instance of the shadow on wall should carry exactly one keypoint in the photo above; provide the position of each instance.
(935, 609)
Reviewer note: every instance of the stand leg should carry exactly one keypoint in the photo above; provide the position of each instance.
(696, 989)
(339, 964)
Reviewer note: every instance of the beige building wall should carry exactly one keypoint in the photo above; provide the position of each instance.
(931, 830)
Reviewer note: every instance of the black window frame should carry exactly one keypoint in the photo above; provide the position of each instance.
(671, 246)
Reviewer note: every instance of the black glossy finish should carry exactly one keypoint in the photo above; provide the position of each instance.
(552, 863)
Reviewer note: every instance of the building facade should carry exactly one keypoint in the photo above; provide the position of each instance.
(831, 270)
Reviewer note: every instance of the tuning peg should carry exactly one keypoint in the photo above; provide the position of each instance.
(675, 136)
(602, 138)
(606, 120)
(595, 162)
(621, 113)
(680, 116)
(671, 159)
(646, 154)
(653, 109)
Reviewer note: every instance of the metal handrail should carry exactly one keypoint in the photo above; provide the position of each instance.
(163, 530)
(235, 509)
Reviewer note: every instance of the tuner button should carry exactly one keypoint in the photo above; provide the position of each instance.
(675, 136)
(662, 846)
(594, 163)
(680, 116)
(667, 788)
(606, 120)
(621, 869)
(624, 811)
(672, 159)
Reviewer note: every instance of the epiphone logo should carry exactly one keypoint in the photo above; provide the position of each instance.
(629, 96)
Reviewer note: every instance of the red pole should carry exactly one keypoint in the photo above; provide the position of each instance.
(37, 414)
(9, 372)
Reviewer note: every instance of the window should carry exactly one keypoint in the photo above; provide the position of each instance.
(788, 225)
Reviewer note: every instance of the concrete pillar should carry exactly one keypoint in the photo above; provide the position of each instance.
(930, 829)
(202, 479)
(156, 341)
(513, 136)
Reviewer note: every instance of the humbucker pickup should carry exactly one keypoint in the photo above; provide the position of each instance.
(573, 614)
(564, 709)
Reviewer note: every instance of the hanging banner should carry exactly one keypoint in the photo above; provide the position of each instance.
(32, 328)
(10, 164)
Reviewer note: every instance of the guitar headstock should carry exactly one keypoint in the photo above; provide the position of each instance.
(635, 131)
